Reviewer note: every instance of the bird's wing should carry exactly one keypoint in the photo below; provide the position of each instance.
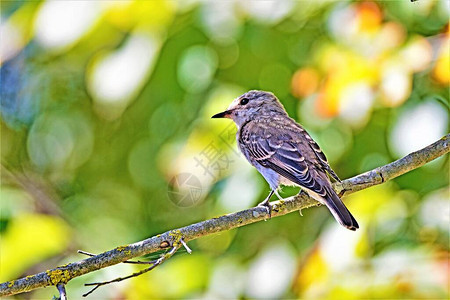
(321, 156)
(281, 152)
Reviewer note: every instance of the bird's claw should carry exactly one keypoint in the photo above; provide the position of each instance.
(341, 193)
(266, 204)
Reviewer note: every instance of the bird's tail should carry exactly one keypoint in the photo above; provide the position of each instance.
(339, 211)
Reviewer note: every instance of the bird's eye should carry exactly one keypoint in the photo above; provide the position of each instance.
(244, 101)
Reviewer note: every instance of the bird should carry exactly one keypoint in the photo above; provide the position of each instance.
(283, 151)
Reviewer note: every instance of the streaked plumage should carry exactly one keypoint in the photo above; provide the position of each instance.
(283, 152)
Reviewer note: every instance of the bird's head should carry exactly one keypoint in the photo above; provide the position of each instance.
(252, 105)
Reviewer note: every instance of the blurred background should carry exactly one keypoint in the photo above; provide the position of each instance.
(107, 139)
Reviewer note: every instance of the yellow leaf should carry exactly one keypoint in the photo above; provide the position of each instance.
(314, 271)
(30, 238)
(442, 69)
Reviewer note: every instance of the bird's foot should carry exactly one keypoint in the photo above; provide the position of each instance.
(266, 204)
(341, 193)
(301, 193)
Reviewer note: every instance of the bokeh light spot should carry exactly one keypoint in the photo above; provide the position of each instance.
(219, 19)
(58, 141)
(270, 273)
(117, 77)
(61, 23)
(196, 68)
(395, 86)
(269, 11)
(356, 103)
(305, 82)
(418, 127)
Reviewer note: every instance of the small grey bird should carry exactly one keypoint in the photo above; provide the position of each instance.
(283, 152)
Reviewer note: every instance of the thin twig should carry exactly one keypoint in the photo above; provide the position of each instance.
(188, 250)
(159, 242)
(158, 262)
(135, 262)
(62, 291)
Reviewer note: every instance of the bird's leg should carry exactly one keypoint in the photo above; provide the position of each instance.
(302, 192)
(266, 203)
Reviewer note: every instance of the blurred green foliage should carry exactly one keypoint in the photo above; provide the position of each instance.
(105, 103)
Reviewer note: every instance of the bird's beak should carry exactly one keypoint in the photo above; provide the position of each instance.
(225, 114)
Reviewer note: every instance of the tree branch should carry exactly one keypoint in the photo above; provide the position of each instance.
(62, 274)
(156, 263)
